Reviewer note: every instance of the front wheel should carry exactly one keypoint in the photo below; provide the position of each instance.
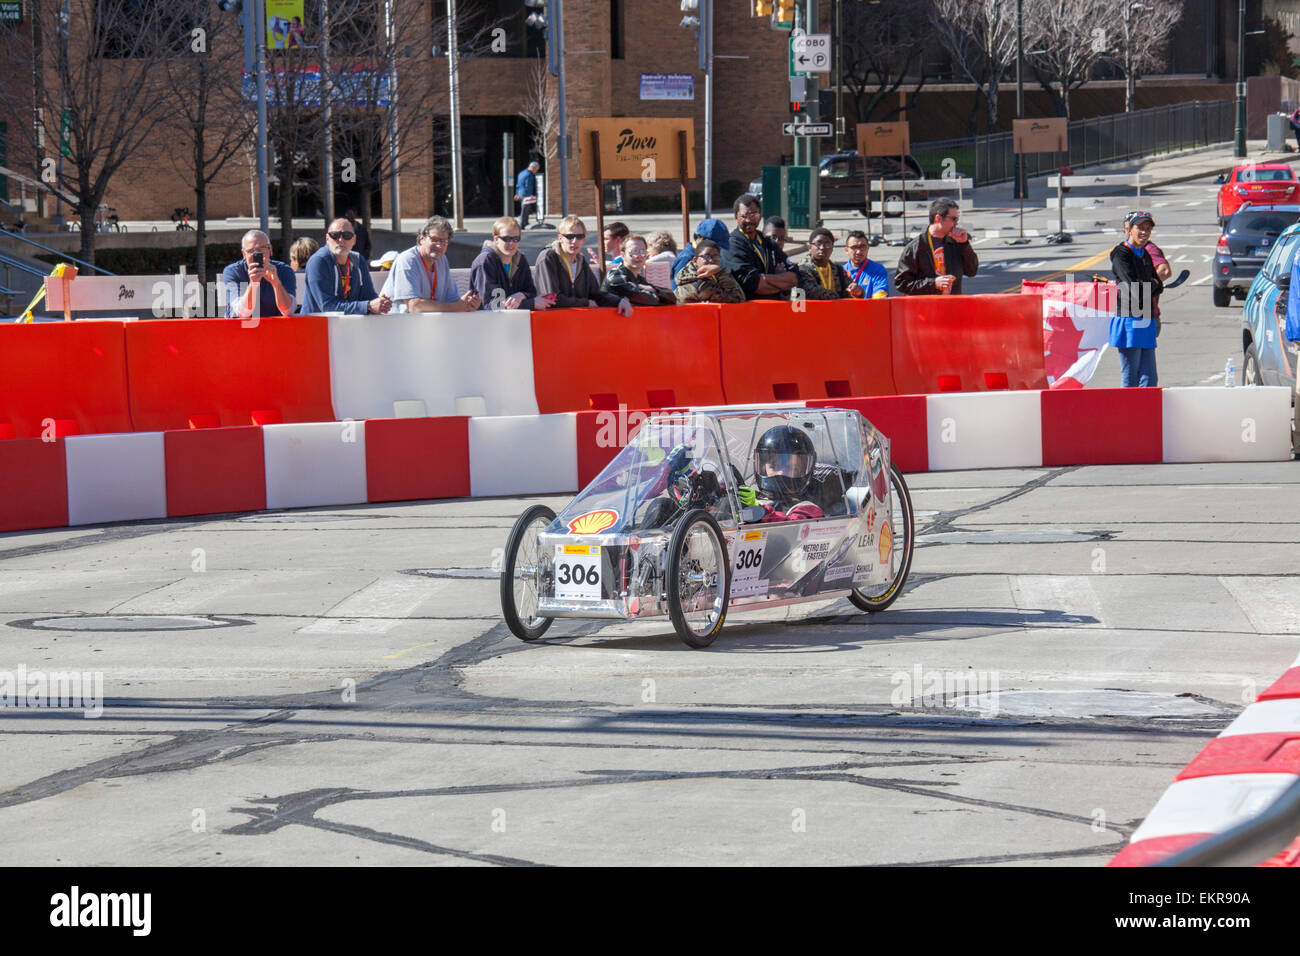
(523, 575)
(1250, 367)
(900, 556)
(699, 578)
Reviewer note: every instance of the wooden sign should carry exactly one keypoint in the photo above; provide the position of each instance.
(1040, 135)
(626, 142)
(884, 139)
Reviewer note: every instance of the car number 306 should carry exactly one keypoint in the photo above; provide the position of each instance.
(577, 574)
(749, 558)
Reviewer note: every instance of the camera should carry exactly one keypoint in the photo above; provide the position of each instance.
(257, 259)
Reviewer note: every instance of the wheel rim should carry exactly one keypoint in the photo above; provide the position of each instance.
(897, 520)
(526, 582)
(699, 587)
(1250, 373)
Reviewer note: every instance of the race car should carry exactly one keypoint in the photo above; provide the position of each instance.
(709, 511)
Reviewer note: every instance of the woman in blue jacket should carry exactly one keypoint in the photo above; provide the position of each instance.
(1136, 324)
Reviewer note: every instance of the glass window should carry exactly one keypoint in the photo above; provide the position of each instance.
(1255, 223)
(1256, 175)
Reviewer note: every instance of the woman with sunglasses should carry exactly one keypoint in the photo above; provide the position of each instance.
(1136, 324)
(337, 277)
(500, 273)
(562, 270)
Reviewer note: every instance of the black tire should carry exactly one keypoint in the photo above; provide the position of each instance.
(515, 588)
(698, 525)
(1222, 296)
(879, 598)
(1250, 367)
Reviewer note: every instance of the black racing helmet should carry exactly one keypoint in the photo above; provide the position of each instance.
(790, 453)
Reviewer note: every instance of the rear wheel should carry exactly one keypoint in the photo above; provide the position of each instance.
(1222, 296)
(878, 598)
(1250, 367)
(699, 578)
(523, 575)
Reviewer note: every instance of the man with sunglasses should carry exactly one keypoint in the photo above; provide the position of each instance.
(500, 274)
(420, 280)
(337, 277)
(562, 271)
(934, 262)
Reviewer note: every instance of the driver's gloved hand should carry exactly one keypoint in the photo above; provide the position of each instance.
(748, 496)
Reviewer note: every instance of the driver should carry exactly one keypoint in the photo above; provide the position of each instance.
(783, 463)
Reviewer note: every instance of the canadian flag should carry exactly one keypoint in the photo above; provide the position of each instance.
(1076, 328)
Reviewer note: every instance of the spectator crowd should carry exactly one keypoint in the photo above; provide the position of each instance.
(751, 260)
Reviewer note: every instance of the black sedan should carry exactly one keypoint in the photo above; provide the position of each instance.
(1246, 242)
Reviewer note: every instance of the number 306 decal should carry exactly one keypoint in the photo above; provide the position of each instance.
(577, 572)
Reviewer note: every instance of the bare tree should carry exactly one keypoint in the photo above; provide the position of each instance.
(1139, 45)
(1074, 36)
(540, 108)
(883, 50)
(980, 36)
(97, 84)
(208, 113)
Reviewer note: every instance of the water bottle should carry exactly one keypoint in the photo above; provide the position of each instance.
(1229, 374)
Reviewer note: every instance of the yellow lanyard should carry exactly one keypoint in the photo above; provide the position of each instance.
(762, 254)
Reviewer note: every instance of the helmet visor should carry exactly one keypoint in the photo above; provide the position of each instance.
(789, 465)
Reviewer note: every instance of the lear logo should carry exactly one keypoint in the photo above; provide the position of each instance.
(60, 689)
(102, 909)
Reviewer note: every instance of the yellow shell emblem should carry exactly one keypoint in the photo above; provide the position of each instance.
(593, 522)
(886, 541)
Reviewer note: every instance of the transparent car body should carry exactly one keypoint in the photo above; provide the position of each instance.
(605, 555)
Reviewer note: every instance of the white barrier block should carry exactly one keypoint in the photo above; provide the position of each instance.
(315, 463)
(523, 455)
(376, 360)
(985, 430)
(1227, 424)
(118, 477)
(1267, 717)
(411, 409)
(1211, 804)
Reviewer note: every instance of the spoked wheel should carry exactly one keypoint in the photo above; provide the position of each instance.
(878, 598)
(699, 578)
(524, 574)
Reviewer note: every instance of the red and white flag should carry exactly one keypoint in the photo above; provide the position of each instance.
(1076, 328)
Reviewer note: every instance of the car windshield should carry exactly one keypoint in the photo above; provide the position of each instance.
(1254, 223)
(1263, 175)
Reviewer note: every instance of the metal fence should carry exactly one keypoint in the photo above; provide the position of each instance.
(1102, 139)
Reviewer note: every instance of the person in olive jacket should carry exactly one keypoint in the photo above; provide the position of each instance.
(934, 262)
(1136, 324)
(563, 271)
(500, 273)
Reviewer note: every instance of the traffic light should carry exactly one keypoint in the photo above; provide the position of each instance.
(536, 19)
(763, 8)
(785, 13)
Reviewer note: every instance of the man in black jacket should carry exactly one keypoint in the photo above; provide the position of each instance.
(753, 259)
(934, 262)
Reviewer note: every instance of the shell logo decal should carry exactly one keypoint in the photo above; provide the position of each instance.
(886, 541)
(593, 522)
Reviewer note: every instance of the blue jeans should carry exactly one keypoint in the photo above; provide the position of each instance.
(1137, 367)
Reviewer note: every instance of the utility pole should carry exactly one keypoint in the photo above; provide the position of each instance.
(263, 193)
(1239, 134)
(1020, 91)
(394, 150)
(327, 97)
(453, 70)
(706, 64)
(555, 53)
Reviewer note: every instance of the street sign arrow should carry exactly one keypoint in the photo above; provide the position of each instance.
(806, 129)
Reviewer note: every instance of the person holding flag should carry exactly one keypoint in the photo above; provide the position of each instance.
(1136, 324)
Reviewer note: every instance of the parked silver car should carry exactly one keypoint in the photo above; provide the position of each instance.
(1269, 359)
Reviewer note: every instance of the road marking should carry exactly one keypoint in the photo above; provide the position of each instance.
(377, 608)
(1202, 280)
(1196, 202)
(1079, 266)
(1270, 604)
(1059, 593)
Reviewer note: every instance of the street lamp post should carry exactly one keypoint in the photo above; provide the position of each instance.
(1020, 90)
(1239, 134)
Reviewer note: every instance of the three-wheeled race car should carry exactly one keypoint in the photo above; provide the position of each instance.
(707, 511)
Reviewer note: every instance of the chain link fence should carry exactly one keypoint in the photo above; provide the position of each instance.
(1102, 139)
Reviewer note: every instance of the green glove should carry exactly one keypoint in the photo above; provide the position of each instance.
(748, 496)
(654, 454)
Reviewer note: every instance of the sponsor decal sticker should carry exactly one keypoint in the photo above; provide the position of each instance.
(837, 574)
(593, 522)
(886, 542)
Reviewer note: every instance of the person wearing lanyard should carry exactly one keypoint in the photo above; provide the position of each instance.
(869, 280)
(337, 280)
(934, 262)
(562, 271)
(819, 277)
(754, 260)
(1134, 328)
(420, 280)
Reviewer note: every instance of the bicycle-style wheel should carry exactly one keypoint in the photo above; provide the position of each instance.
(903, 528)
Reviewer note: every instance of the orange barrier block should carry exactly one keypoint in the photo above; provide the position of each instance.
(63, 378)
(214, 470)
(275, 371)
(787, 351)
(967, 343)
(659, 357)
(36, 484)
